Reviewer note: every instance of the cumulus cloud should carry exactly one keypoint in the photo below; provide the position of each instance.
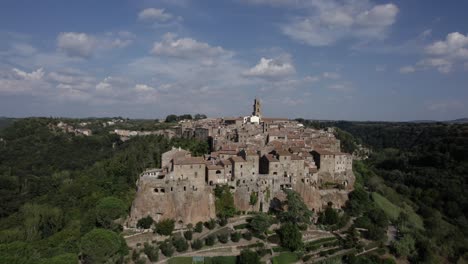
(186, 48)
(154, 14)
(331, 75)
(82, 45)
(331, 21)
(143, 88)
(407, 69)
(76, 44)
(271, 68)
(34, 75)
(443, 55)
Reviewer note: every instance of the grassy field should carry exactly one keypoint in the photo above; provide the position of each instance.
(207, 260)
(393, 211)
(285, 258)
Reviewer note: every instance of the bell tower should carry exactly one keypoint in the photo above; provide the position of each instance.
(257, 108)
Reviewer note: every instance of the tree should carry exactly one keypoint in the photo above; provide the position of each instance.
(248, 256)
(167, 248)
(188, 234)
(151, 252)
(197, 244)
(180, 244)
(235, 237)
(165, 227)
(297, 211)
(109, 209)
(198, 227)
(171, 119)
(404, 246)
(224, 202)
(210, 240)
(330, 216)
(223, 238)
(101, 245)
(290, 236)
(145, 222)
(260, 223)
(247, 236)
(210, 224)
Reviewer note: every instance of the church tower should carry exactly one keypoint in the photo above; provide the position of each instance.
(257, 108)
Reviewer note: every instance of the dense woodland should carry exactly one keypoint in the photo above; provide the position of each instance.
(421, 168)
(59, 192)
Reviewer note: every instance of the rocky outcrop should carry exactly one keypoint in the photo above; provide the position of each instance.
(184, 206)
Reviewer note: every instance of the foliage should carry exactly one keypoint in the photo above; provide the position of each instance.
(290, 236)
(165, 227)
(210, 240)
(223, 238)
(180, 244)
(198, 227)
(211, 224)
(253, 198)
(404, 246)
(167, 248)
(151, 252)
(248, 257)
(197, 244)
(41, 221)
(224, 202)
(260, 223)
(100, 245)
(297, 210)
(247, 236)
(285, 258)
(235, 236)
(108, 209)
(188, 234)
(145, 222)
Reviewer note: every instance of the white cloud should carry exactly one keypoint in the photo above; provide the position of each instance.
(271, 68)
(154, 14)
(143, 88)
(331, 21)
(186, 48)
(454, 46)
(441, 64)
(76, 44)
(340, 87)
(82, 45)
(407, 69)
(34, 75)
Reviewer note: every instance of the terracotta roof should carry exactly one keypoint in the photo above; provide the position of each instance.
(271, 158)
(189, 160)
(283, 152)
(228, 151)
(226, 162)
(214, 167)
(312, 170)
(237, 159)
(296, 157)
(323, 152)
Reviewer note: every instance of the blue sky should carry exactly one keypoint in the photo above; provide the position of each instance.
(320, 59)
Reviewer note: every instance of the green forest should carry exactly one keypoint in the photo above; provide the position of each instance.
(59, 193)
(421, 170)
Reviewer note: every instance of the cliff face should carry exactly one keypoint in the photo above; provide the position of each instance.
(183, 206)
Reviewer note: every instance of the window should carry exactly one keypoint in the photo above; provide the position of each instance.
(196, 174)
(191, 166)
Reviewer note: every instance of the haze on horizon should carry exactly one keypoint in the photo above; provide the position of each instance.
(317, 59)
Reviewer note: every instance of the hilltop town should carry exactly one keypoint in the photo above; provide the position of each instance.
(257, 157)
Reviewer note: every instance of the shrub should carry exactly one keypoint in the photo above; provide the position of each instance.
(210, 240)
(210, 224)
(167, 249)
(188, 235)
(165, 227)
(198, 227)
(248, 256)
(223, 238)
(145, 222)
(151, 252)
(180, 244)
(235, 237)
(247, 236)
(223, 221)
(197, 244)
